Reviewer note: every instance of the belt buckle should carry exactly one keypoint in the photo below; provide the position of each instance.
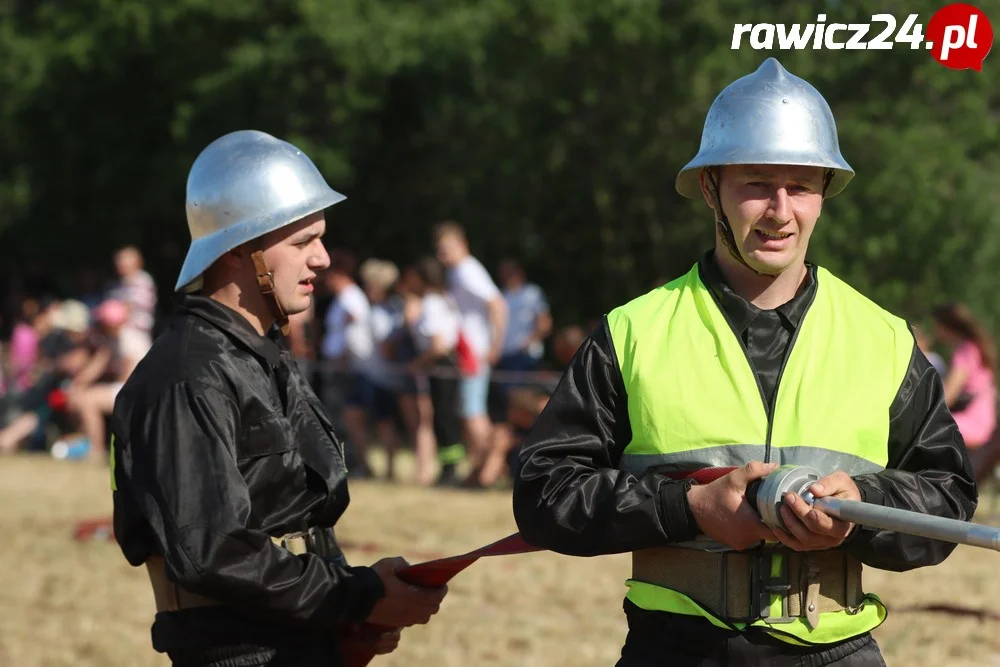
(763, 585)
(315, 543)
(321, 542)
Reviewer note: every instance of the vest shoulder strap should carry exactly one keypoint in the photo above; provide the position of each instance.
(875, 320)
(626, 321)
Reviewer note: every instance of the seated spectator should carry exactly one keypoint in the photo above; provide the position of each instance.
(92, 393)
(969, 384)
(35, 324)
(62, 355)
(524, 405)
(565, 344)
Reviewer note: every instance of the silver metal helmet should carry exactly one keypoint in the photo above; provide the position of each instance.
(768, 117)
(242, 186)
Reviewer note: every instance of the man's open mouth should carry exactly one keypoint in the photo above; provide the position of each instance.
(772, 236)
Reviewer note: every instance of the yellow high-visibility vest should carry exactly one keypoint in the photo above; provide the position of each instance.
(694, 402)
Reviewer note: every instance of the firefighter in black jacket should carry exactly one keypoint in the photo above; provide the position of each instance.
(754, 357)
(227, 475)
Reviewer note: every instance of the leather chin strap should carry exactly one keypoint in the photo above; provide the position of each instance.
(722, 222)
(265, 281)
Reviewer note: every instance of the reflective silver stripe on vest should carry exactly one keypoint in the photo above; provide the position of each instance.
(824, 461)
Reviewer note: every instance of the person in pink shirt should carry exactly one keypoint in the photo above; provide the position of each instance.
(969, 384)
(23, 354)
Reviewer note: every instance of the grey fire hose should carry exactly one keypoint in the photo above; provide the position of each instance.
(766, 495)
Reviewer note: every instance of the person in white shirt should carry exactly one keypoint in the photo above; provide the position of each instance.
(484, 323)
(434, 328)
(378, 277)
(348, 346)
(137, 290)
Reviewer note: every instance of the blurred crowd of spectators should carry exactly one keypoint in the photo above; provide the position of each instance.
(440, 357)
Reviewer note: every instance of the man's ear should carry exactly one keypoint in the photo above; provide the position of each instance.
(706, 189)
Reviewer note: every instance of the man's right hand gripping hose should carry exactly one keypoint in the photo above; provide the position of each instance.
(413, 593)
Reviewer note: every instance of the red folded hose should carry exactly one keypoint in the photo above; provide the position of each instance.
(432, 574)
(437, 573)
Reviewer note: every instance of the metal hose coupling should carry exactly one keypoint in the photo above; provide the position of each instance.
(766, 496)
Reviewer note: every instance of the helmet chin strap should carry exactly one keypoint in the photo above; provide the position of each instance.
(265, 281)
(722, 223)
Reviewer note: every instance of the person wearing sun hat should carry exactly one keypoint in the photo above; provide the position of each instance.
(754, 358)
(227, 476)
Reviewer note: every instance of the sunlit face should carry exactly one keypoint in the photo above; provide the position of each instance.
(772, 210)
(127, 262)
(450, 250)
(294, 255)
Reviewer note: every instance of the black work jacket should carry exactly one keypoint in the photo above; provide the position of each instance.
(220, 443)
(570, 496)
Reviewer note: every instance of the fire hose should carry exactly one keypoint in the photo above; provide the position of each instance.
(767, 493)
(356, 646)
(764, 495)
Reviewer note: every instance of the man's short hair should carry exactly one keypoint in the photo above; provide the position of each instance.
(513, 264)
(448, 228)
(381, 273)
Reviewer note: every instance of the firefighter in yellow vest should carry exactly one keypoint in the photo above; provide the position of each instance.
(753, 358)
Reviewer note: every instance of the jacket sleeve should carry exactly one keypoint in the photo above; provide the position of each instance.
(928, 471)
(175, 464)
(569, 496)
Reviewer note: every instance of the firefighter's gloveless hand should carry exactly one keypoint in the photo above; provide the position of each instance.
(403, 604)
(387, 642)
(811, 529)
(722, 512)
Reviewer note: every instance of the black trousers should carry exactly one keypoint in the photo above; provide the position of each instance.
(218, 636)
(258, 656)
(659, 639)
(444, 398)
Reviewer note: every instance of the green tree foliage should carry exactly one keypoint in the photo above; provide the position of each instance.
(553, 129)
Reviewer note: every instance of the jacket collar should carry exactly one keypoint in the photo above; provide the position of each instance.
(234, 325)
(740, 311)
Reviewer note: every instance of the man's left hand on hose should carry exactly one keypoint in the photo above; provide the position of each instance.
(808, 528)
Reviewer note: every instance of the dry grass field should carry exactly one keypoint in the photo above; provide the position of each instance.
(64, 602)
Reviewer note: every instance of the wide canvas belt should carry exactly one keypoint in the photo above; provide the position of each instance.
(171, 597)
(741, 586)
